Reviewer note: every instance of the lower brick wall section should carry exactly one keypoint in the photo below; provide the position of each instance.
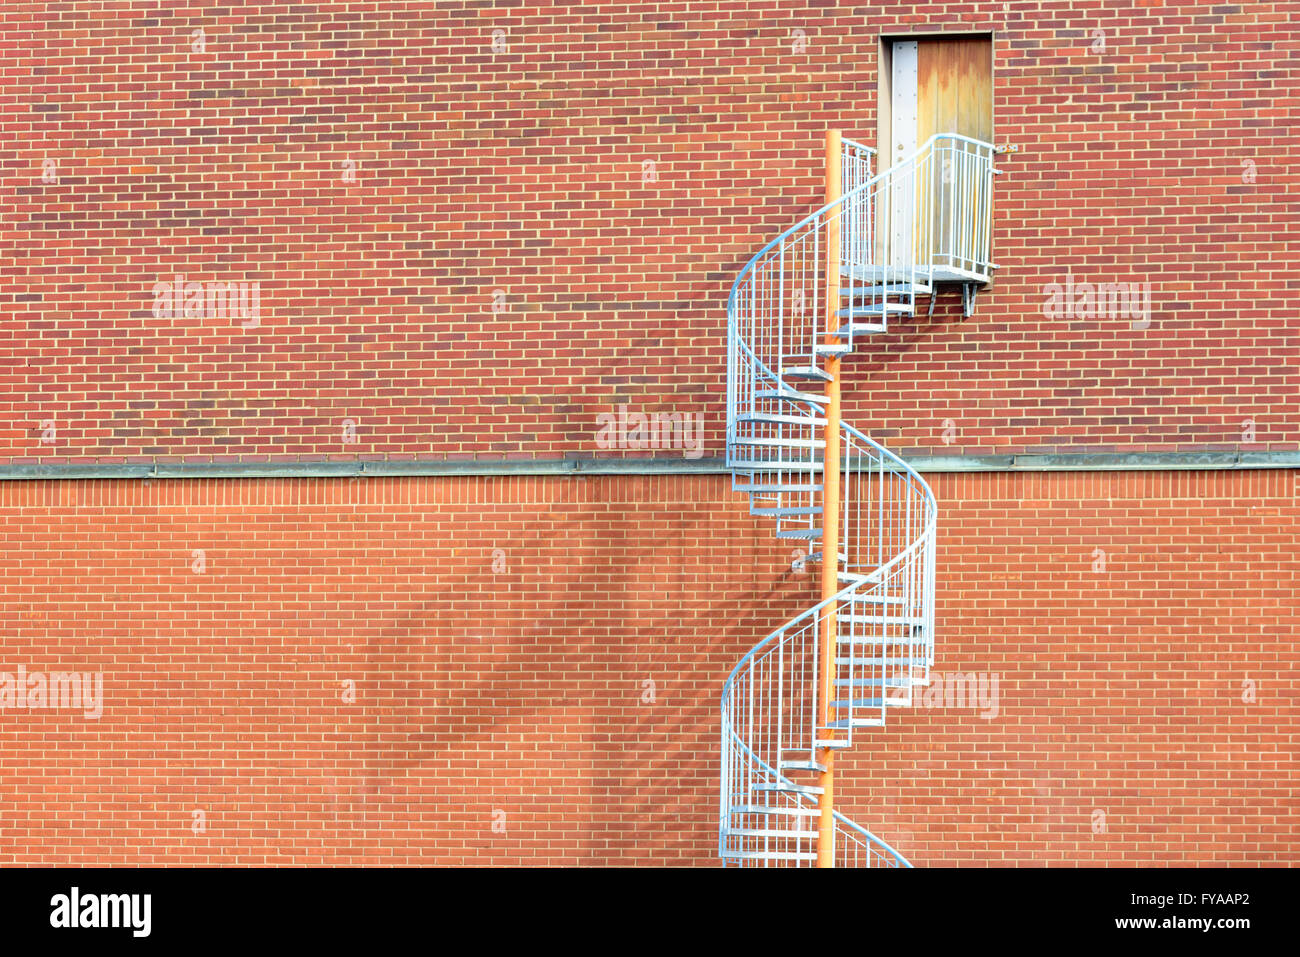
(536, 664)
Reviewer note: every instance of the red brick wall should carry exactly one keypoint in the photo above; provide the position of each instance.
(1122, 675)
(521, 690)
(522, 171)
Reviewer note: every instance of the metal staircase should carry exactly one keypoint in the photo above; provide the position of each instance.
(802, 693)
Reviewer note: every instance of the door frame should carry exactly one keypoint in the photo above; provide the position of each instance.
(885, 100)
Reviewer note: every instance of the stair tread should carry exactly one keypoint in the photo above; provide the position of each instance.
(877, 599)
(858, 618)
(777, 441)
(782, 418)
(787, 788)
(803, 835)
(869, 578)
(791, 395)
(859, 722)
(893, 288)
(771, 855)
(800, 766)
(862, 328)
(843, 724)
(774, 465)
(779, 811)
(818, 555)
(902, 641)
(904, 662)
(758, 489)
(869, 703)
(881, 273)
(896, 682)
(806, 372)
(875, 309)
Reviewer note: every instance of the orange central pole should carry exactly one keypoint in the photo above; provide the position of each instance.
(830, 509)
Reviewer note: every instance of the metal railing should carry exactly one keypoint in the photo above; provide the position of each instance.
(940, 209)
(855, 164)
(898, 231)
(884, 639)
(927, 217)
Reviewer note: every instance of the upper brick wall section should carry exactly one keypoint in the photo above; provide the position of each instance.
(475, 228)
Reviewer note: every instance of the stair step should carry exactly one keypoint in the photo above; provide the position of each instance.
(888, 275)
(817, 556)
(778, 811)
(772, 489)
(900, 682)
(806, 372)
(876, 640)
(875, 309)
(869, 703)
(785, 512)
(804, 533)
(877, 599)
(803, 835)
(859, 619)
(842, 724)
(779, 442)
(781, 418)
(892, 289)
(791, 395)
(787, 787)
(804, 765)
(832, 349)
(836, 744)
(761, 466)
(847, 578)
(862, 329)
(858, 722)
(898, 662)
(770, 855)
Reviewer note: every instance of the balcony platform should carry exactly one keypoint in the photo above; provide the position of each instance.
(877, 274)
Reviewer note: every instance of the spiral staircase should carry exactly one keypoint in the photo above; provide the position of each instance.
(801, 694)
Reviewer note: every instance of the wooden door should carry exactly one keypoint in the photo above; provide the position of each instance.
(954, 87)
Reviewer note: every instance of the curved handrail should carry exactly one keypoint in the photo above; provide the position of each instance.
(853, 825)
(769, 705)
(820, 606)
(874, 844)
